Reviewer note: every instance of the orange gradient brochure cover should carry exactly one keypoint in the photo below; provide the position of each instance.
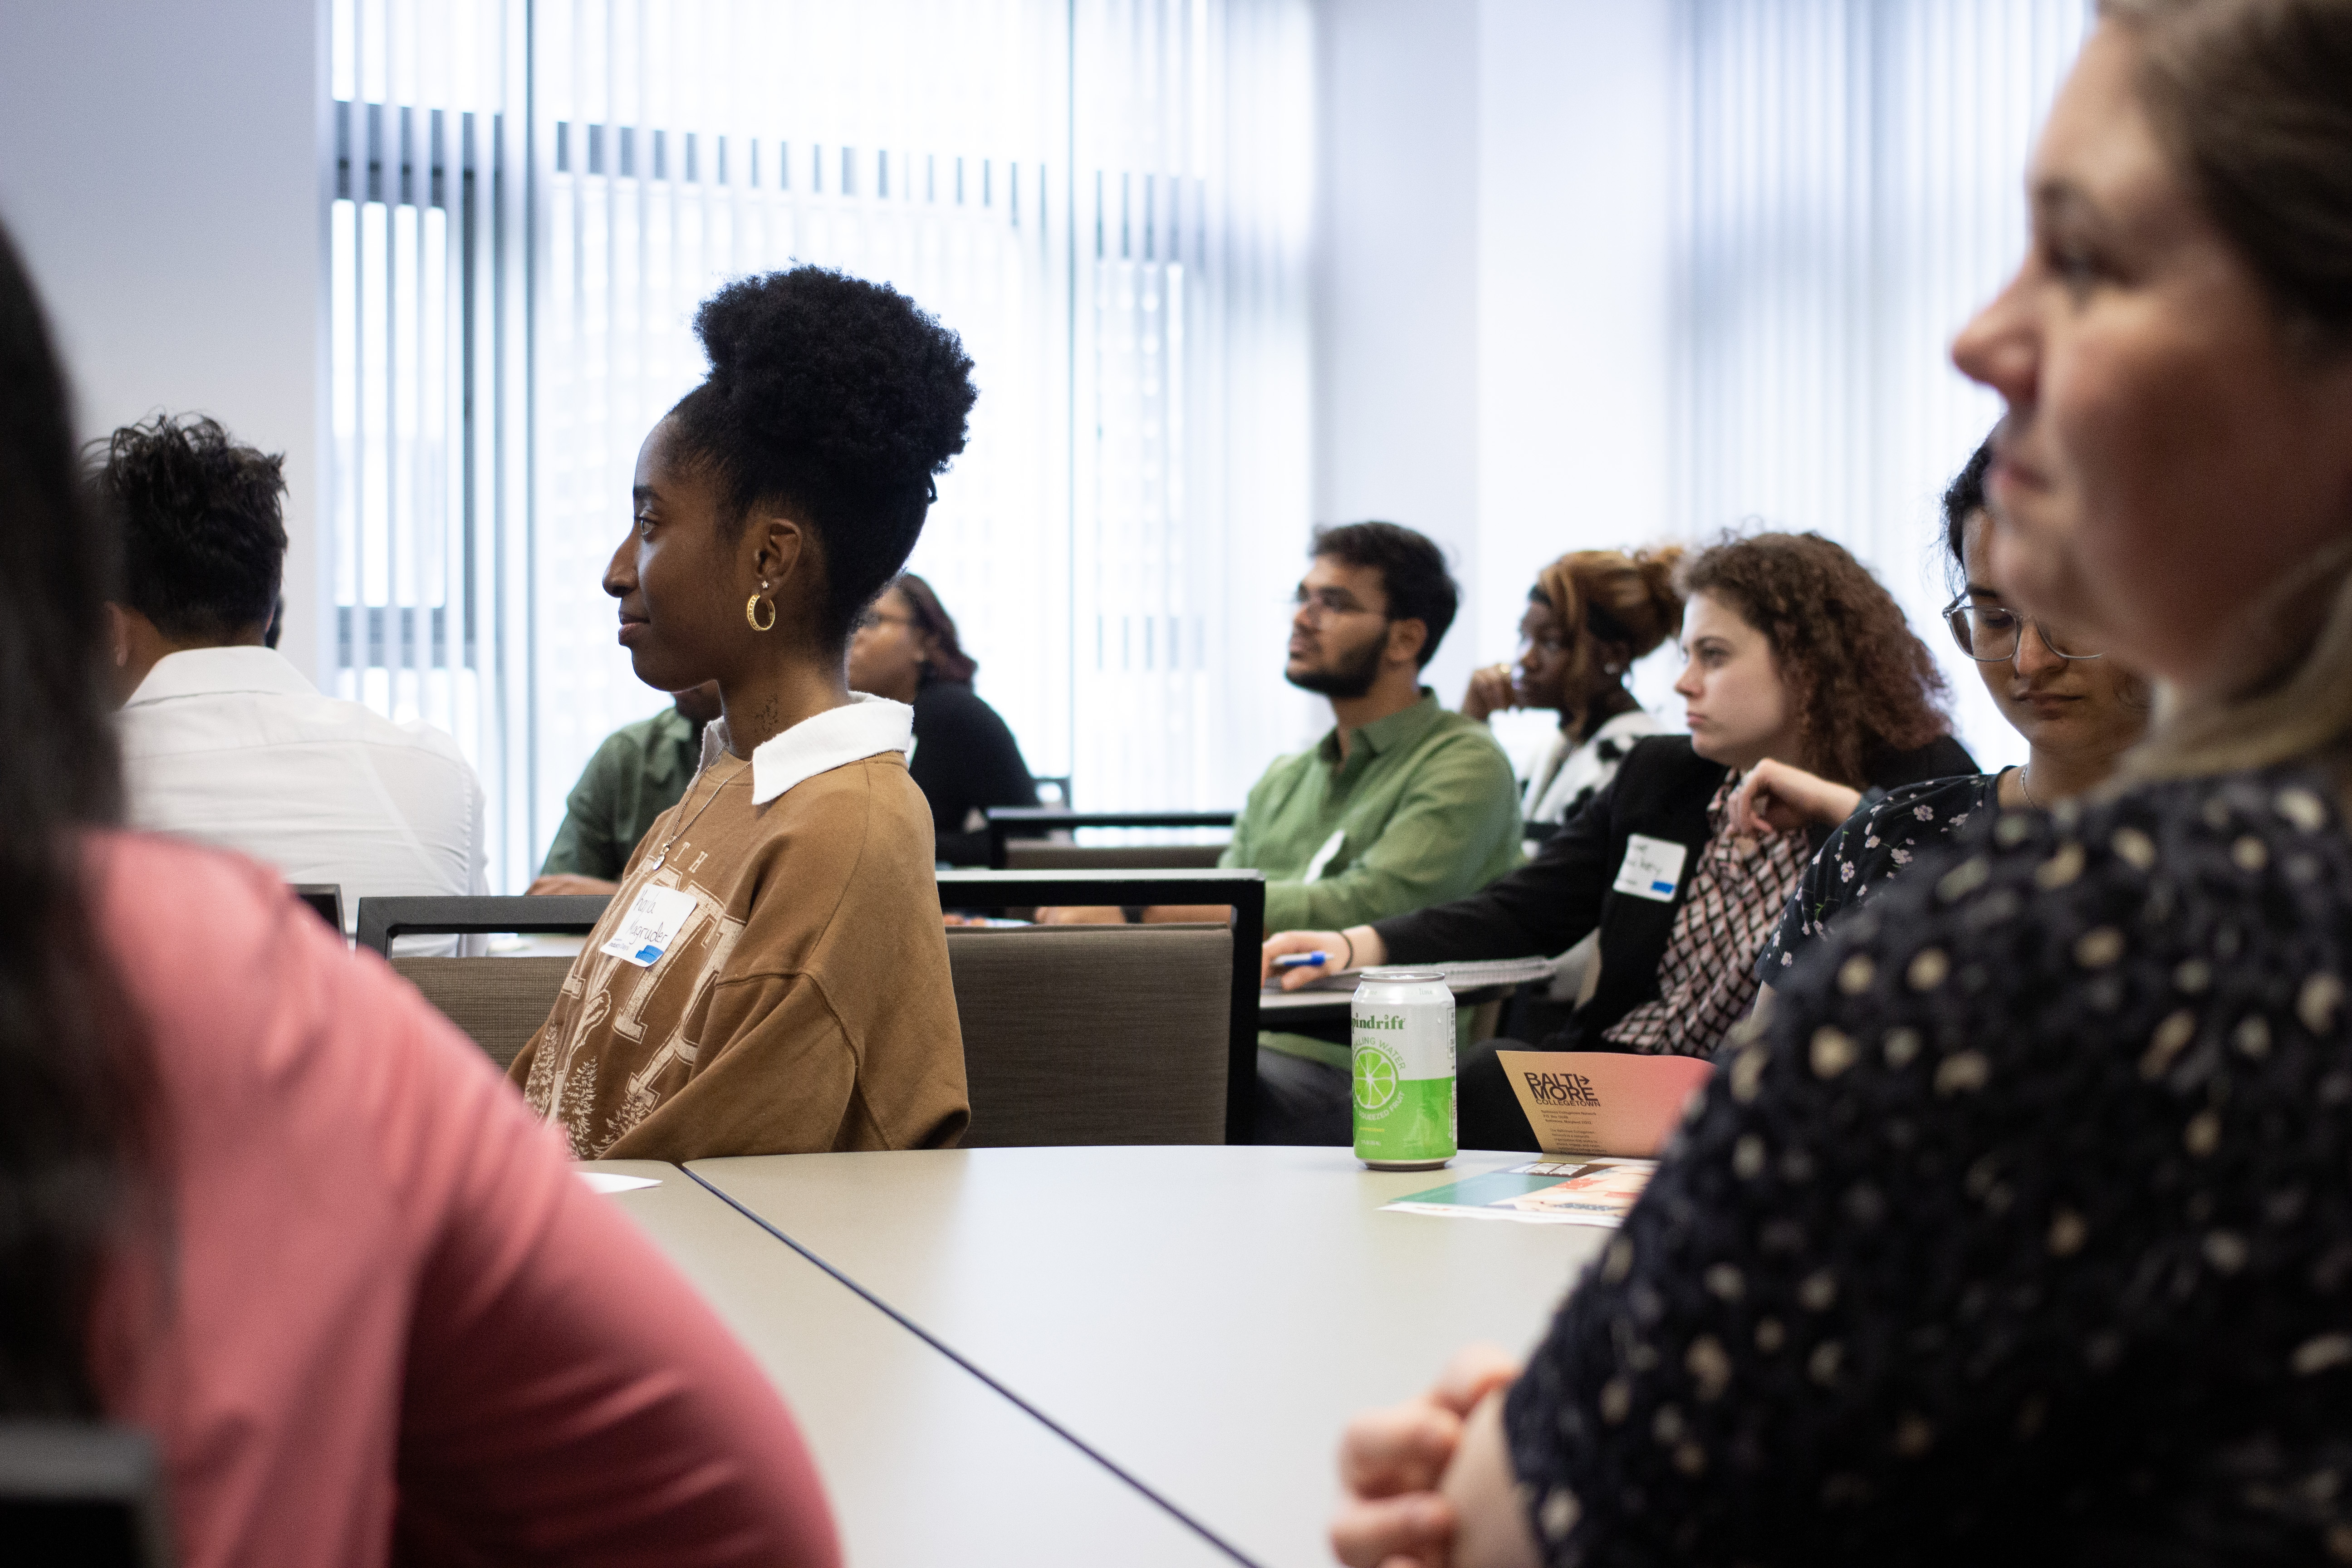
(1602, 1102)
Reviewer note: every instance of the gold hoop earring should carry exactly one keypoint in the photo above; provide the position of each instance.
(751, 614)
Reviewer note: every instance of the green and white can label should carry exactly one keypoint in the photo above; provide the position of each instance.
(1401, 1055)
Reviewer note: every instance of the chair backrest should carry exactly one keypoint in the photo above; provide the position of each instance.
(570, 914)
(499, 1003)
(1053, 790)
(1007, 823)
(326, 898)
(1093, 1035)
(82, 1493)
(1242, 892)
(1044, 855)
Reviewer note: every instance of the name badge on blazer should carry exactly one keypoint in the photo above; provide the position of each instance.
(1653, 869)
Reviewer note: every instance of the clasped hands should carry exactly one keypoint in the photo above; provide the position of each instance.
(1429, 1482)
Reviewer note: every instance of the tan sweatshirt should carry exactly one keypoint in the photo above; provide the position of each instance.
(803, 1004)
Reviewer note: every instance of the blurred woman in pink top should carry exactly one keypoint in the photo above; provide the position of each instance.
(264, 1203)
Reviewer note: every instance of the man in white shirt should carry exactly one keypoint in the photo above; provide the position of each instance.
(223, 740)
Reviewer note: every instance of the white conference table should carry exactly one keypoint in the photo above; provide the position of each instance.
(1207, 1318)
(924, 1463)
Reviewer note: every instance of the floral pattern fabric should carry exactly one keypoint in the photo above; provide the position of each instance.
(1869, 849)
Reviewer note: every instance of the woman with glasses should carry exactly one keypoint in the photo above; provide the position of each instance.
(1592, 615)
(965, 759)
(2079, 711)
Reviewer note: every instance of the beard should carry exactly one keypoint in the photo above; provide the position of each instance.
(1348, 675)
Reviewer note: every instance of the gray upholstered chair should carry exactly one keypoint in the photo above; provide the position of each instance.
(499, 1002)
(85, 1494)
(1089, 1035)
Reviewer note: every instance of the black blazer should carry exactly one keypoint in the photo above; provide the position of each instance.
(1547, 905)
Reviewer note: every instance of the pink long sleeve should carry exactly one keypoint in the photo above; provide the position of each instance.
(394, 1326)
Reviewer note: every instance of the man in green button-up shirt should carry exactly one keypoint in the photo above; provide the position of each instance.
(1401, 805)
(638, 773)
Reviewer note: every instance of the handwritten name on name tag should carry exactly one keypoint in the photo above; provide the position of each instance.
(1653, 869)
(652, 923)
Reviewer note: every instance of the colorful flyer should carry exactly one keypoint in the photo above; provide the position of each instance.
(1546, 1192)
(1602, 1102)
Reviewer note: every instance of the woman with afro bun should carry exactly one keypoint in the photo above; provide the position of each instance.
(772, 975)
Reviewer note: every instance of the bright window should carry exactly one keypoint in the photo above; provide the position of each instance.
(1107, 201)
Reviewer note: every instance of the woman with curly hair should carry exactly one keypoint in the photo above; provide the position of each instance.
(772, 977)
(1591, 616)
(1795, 652)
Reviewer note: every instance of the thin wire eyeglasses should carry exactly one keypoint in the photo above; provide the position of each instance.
(1320, 604)
(1998, 630)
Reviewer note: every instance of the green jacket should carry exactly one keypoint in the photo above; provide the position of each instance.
(638, 773)
(1426, 810)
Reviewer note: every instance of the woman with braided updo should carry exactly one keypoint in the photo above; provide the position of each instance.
(771, 977)
(1592, 615)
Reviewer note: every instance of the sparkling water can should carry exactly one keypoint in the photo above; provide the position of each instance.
(1401, 1055)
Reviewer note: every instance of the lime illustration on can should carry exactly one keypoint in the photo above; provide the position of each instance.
(1400, 1053)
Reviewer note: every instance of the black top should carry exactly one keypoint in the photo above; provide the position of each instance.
(965, 761)
(2024, 1233)
(1867, 849)
(1547, 905)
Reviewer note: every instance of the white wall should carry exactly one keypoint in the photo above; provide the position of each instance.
(163, 182)
(1493, 280)
(1395, 283)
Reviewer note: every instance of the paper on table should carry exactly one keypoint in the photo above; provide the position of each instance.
(605, 1182)
(1546, 1192)
(1602, 1102)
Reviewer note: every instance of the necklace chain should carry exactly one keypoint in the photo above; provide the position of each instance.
(662, 854)
(2025, 785)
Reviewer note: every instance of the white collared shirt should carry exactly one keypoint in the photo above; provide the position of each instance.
(868, 727)
(833, 739)
(235, 747)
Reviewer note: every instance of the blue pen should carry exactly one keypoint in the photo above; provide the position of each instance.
(1302, 961)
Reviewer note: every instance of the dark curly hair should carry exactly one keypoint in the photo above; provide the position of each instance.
(1963, 498)
(204, 544)
(836, 400)
(1412, 573)
(1865, 686)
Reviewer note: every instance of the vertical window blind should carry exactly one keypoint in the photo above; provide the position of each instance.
(1852, 190)
(1105, 197)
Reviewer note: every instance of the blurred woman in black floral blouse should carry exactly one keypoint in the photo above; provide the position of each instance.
(2021, 1230)
(2078, 708)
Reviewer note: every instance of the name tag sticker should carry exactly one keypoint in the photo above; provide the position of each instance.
(1653, 869)
(650, 926)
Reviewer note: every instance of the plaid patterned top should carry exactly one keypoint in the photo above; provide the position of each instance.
(1706, 981)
